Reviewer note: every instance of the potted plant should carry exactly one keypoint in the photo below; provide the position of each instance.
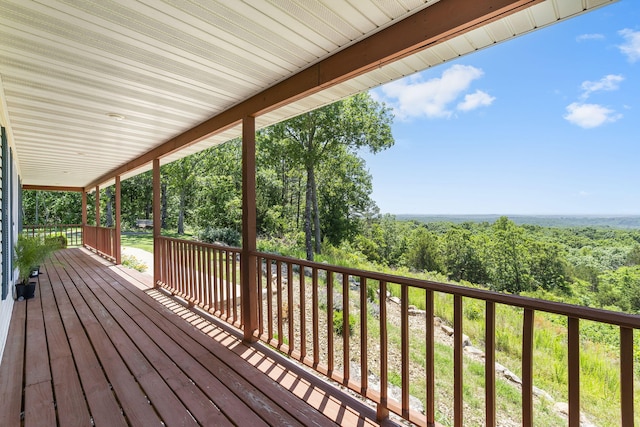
(29, 253)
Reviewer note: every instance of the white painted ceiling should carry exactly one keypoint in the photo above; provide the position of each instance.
(165, 66)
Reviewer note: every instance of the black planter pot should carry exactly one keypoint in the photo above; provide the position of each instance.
(25, 291)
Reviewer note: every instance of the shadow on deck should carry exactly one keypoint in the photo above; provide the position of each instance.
(97, 345)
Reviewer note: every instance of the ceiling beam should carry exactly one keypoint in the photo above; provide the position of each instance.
(52, 188)
(432, 25)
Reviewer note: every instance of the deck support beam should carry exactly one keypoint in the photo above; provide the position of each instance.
(84, 215)
(118, 227)
(248, 261)
(157, 223)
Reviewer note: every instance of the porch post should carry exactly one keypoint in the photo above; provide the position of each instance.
(157, 222)
(98, 243)
(118, 227)
(84, 214)
(248, 262)
(97, 206)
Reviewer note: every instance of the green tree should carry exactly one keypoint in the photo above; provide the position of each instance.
(313, 137)
(181, 176)
(424, 251)
(462, 257)
(509, 257)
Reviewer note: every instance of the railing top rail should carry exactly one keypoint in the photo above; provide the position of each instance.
(570, 310)
(50, 225)
(203, 244)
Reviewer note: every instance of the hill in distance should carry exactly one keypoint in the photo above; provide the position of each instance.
(607, 221)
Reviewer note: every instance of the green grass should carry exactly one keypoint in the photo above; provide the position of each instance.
(144, 239)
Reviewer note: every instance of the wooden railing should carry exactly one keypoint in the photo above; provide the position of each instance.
(102, 240)
(297, 315)
(71, 232)
(203, 274)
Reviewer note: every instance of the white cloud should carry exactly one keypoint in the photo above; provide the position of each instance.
(475, 100)
(412, 97)
(589, 116)
(631, 46)
(583, 37)
(607, 83)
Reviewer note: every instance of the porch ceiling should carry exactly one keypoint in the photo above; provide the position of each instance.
(88, 87)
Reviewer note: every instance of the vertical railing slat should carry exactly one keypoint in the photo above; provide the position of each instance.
(430, 356)
(269, 301)
(330, 355)
(626, 377)
(315, 317)
(364, 337)
(382, 411)
(404, 353)
(290, 303)
(490, 364)
(573, 348)
(303, 313)
(527, 368)
(279, 299)
(457, 362)
(346, 368)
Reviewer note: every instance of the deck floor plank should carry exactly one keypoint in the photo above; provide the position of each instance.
(103, 405)
(152, 367)
(125, 385)
(12, 368)
(71, 404)
(139, 326)
(116, 352)
(39, 405)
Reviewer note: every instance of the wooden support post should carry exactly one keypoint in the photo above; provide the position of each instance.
(97, 206)
(84, 215)
(157, 223)
(118, 227)
(249, 268)
(97, 242)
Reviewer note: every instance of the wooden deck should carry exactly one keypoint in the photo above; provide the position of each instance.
(97, 346)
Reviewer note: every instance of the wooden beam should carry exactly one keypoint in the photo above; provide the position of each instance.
(248, 260)
(426, 28)
(157, 223)
(118, 225)
(84, 215)
(51, 188)
(97, 206)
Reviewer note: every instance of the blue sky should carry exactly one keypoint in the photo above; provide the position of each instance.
(546, 124)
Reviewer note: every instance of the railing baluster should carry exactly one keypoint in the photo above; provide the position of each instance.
(626, 377)
(234, 286)
(573, 344)
(227, 266)
(457, 362)
(316, 317)
(216, 280)
(527, 368)
(269, 301)
(260, 260)
(404, 342)
(364, 365)
(330, 322)
(346, 368)
(382, 411)
(490, 364)
(303, 312)
(430, 354)
(290, 314)
(279, 300)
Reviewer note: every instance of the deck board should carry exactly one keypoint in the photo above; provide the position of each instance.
(113, 351)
